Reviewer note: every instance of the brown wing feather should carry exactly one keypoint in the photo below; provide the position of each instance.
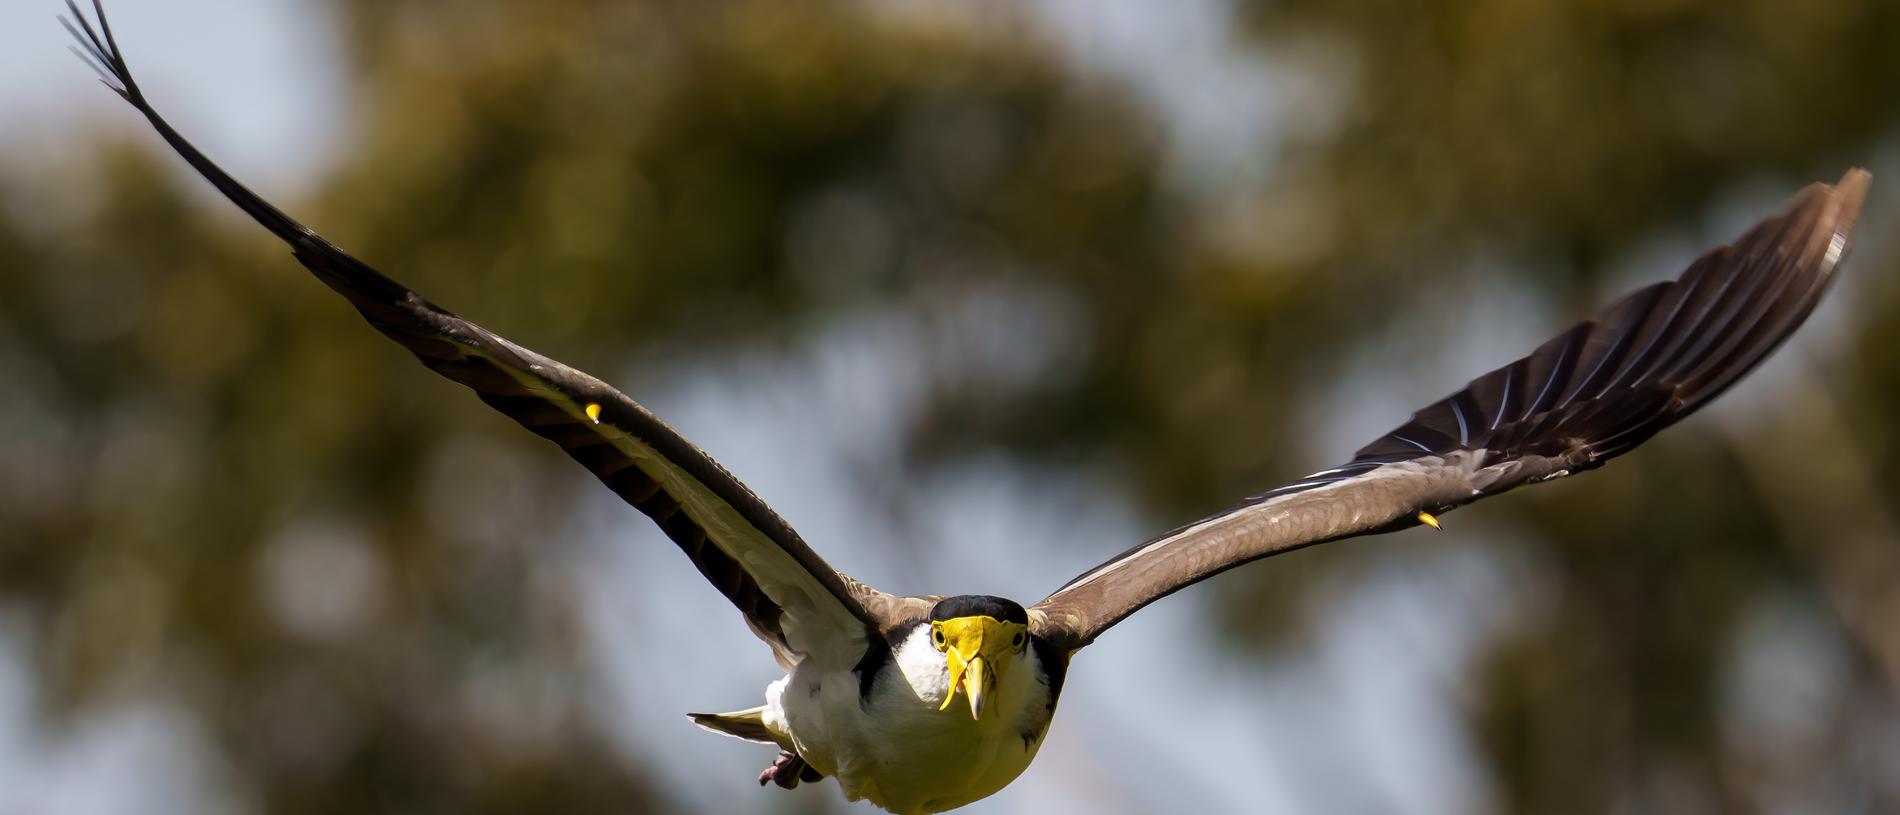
(741, 546)
(1651, 358)
(1588, 395)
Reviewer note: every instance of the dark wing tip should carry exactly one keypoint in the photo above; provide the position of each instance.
(100, 50)
(1849, 193)
(1655, 355)
(1839, 209)
(1808, 247)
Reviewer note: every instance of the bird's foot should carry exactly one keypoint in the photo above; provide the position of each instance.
(787, 770)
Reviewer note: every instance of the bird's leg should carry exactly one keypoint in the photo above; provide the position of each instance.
(787, 770)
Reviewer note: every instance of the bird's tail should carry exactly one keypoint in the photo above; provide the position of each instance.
(743, 724)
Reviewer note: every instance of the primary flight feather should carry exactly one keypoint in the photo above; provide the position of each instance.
(873, 681)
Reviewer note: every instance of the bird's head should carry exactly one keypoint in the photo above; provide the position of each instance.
(980, 638)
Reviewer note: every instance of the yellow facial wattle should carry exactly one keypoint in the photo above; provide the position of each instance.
(977, 650)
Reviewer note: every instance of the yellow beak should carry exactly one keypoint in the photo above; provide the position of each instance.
(976, 649)
(976, 676)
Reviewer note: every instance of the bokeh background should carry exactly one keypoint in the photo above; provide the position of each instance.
(975, 294)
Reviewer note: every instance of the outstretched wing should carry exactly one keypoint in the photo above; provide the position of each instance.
(789, 597)
(1588, 395)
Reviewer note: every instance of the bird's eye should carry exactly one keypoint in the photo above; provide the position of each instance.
(1016, 641)
(936, 635)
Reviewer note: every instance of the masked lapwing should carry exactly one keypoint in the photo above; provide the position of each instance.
(923, 704)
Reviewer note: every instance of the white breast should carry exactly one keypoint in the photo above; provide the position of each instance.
(896, 748)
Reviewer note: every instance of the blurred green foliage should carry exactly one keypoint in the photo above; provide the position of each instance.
(195, 427)
(1572, 132)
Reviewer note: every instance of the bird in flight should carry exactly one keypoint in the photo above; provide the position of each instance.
(924, 704)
